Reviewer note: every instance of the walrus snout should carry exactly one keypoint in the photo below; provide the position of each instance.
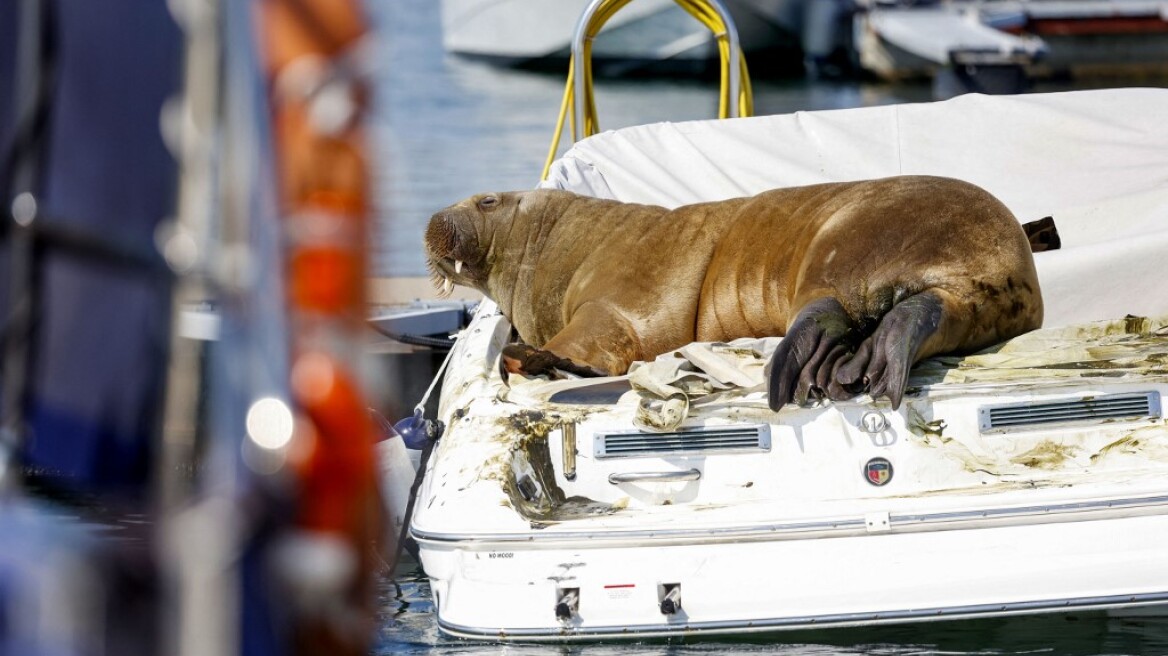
(451, 248)
(441, 235)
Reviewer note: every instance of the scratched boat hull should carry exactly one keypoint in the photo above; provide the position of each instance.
(972, 522)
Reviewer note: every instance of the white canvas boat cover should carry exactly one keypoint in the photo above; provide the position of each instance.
(1134, 348)
(1096, 161)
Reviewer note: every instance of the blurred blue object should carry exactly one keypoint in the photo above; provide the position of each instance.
(84, 316)
(135, 486)
(417, 431)
(94, 160)
(60, 579)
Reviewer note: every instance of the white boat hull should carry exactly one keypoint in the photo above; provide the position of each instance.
(509, 590)
(973, 521)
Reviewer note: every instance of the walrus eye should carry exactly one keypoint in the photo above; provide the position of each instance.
(487, 202)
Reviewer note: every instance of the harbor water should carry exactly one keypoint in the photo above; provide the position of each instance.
(446, 128)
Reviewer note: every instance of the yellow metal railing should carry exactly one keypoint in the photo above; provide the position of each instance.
(734, 96)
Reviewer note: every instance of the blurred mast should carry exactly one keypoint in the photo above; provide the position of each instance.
(315, 57)
(197, 533)
(187, 243)
(271, 550)
(22, 170)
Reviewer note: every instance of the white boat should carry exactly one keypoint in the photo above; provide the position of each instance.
(1027, 479)
(898, 40)
(902, 41)
(538, 33)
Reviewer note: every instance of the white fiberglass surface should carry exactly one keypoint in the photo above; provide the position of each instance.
(501, 466)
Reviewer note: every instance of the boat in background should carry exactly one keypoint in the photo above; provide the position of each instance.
(997, 45)
(991, 46)
(647, 35)
(898, 42)
(1091, 37)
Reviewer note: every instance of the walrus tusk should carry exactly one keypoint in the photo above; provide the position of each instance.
(458, 266)
(447, 285)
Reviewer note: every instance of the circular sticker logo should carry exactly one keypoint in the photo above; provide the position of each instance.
(878, 471)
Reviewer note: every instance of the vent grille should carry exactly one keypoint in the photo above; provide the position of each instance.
(1140, 405)
(705, 440)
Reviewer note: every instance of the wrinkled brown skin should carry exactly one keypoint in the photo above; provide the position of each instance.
(863, 278)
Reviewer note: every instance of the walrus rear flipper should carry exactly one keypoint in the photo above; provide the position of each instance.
(815, 355)
(804, 360)
(882, 362)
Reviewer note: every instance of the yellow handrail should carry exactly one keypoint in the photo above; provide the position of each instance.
(597, 15)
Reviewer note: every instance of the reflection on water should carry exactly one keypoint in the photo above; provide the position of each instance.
(409, 627)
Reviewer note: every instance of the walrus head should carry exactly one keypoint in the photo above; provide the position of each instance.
(458, 239)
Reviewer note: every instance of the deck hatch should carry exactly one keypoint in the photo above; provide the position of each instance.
(1132, 406)
(696, 441)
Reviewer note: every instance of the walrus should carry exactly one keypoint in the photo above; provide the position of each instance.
(862, 279)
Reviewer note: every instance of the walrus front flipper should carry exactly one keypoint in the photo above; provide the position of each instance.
(882, 362)
(804, 360)
(530, 361)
